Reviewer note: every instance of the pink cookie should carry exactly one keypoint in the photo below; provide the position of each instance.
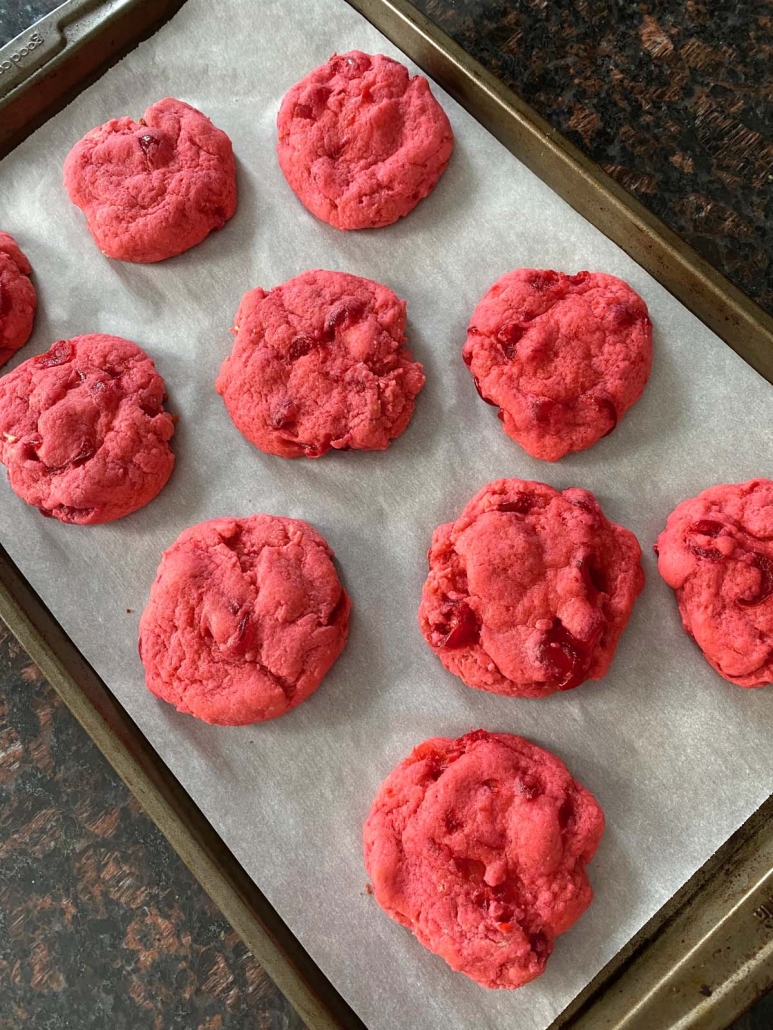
(361, 142)
(319, 362)
(529, 589)
(562, 356)
(83, 430)
(717, 553)
(479, 846)
(245, 617)
(154, 189)
(18, 299)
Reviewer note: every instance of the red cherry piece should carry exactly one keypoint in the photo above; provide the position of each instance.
(543, 409)
(565, 813)
(622, 316)
(508, 336)
(521, 504)
(765, 588)
(59, 353)
(709, 553)
(605, 404)
(300, 345)
(580, 277)
(147, 141)
(467, 357)
(544, 280)
(592, 575)
(150, 408)
(461, 625)
(709, 528)
(482, 396)
(335, 615)
(314, 450)
(303, 111)
(540, 945)
(284, 415)
(343, 316)
(528, 786)
(567, 657)
(318, 96)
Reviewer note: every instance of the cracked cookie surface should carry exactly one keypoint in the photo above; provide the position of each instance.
(716, 552)
(18, 298)
(244, 619)
(154, 188)
(83, 431)
(529, 589)
(562, 356)
(319, 363)
(361, 142)
(479, 846)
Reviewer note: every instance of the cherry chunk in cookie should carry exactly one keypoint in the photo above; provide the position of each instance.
(716, 552)
(18, 298)
(83, 431)
(562, 356)
(479, 846)
(154, 188)
(529, 589)
(361, 142)
(245, 617)
(320, 362)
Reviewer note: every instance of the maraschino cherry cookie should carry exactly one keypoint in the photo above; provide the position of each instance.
(479, 846)
(83, 430)
(154, 188)
(361, 142)
(320, 362)
(245, 618)
(18, 298)
(562, 356)
(716, 552)
(529, 589)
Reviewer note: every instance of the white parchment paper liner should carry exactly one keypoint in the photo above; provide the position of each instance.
(677, 757)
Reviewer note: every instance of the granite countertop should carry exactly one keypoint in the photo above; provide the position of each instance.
(100, 923)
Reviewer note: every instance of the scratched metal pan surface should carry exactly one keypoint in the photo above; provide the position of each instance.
(707, 955)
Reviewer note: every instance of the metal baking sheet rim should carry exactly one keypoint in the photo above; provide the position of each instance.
(708, 954)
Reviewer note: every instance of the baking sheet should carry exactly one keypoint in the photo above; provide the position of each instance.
(677, 757)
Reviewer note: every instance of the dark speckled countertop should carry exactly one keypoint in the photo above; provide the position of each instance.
(100, 923)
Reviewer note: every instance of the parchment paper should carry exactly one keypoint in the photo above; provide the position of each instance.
(677, 757)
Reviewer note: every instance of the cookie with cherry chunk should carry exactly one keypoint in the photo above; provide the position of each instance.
(154, 188)
(563, 357)
(529, 589)
(479, 846)
(716, 552)
(83, 430)
(320, 362)
(245, 618)
(361, 142)
(18, 299)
